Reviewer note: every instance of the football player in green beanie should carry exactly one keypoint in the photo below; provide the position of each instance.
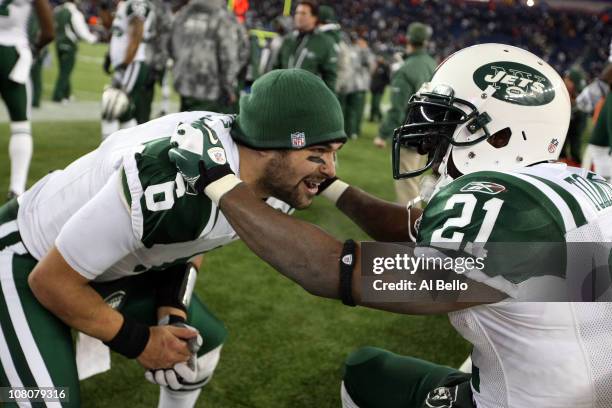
(121, 226)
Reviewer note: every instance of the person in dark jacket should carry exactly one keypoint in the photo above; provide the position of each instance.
(380, 80)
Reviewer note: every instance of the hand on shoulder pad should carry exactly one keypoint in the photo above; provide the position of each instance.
(198, 155)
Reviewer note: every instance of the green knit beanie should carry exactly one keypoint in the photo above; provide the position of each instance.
(289, 109)
(576, 74)
(418, 33)
(327, 14)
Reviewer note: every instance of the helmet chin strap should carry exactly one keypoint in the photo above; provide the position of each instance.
(445, 169)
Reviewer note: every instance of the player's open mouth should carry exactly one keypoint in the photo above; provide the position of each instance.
(312, 186)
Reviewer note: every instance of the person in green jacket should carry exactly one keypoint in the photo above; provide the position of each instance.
(37, 60)
(418, 67)
(575, 82)
(70, 26)
(599, 149)
(308, 48)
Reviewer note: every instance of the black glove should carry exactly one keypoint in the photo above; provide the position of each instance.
(198, 155)
(106, 65)
(328, 182)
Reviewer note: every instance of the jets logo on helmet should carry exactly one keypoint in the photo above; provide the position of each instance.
(515, 83)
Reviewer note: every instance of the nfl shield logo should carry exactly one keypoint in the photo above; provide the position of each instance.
(553, 146)
(298, 140)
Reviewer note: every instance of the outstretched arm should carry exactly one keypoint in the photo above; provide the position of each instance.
(382, 220)
(299, 250)
(309, 256)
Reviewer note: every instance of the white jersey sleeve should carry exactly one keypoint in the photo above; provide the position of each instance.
(14, 16)
(80, 26)
(99, 234)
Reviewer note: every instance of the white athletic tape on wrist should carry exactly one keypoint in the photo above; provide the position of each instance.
(335, 190)
(217, 189)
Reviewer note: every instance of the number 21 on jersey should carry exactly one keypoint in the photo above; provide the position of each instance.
(468, 202)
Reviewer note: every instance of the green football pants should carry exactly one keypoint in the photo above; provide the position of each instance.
(15, 95)
(36, 76)
(36, 348)
(376, 378)
(66, 59)
(375, 112)
(134, 82)
(354, 104)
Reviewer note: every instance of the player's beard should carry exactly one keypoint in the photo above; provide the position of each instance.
(279, 182)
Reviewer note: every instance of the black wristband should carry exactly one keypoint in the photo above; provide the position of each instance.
(347, 263)
(208, 176)
(173, 319)
(131, 339)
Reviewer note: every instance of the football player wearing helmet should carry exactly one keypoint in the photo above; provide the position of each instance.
(15, 64)
(492, 122)
(102, 245)
(131, 31)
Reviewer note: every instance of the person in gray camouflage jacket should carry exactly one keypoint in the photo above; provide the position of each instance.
(205, 48)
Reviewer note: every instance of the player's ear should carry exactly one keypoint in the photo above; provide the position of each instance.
(265, 153)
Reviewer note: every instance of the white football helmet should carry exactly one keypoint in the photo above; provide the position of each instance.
(487, 107)
(115, 103)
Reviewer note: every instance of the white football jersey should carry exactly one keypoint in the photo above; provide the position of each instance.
(126, 11)
(123, 208)
(533, 354)
(14, 16)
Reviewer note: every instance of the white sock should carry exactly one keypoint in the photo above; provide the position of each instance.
(20, 153)
(177, 399)
(130, 123)
(108, 127)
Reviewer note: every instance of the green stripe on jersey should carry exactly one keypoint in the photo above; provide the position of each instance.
(571, 202)
(16, 353)
(126, 188)
(9, 240)
(543, 201)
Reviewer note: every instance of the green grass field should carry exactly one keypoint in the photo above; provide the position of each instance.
(286, 348)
